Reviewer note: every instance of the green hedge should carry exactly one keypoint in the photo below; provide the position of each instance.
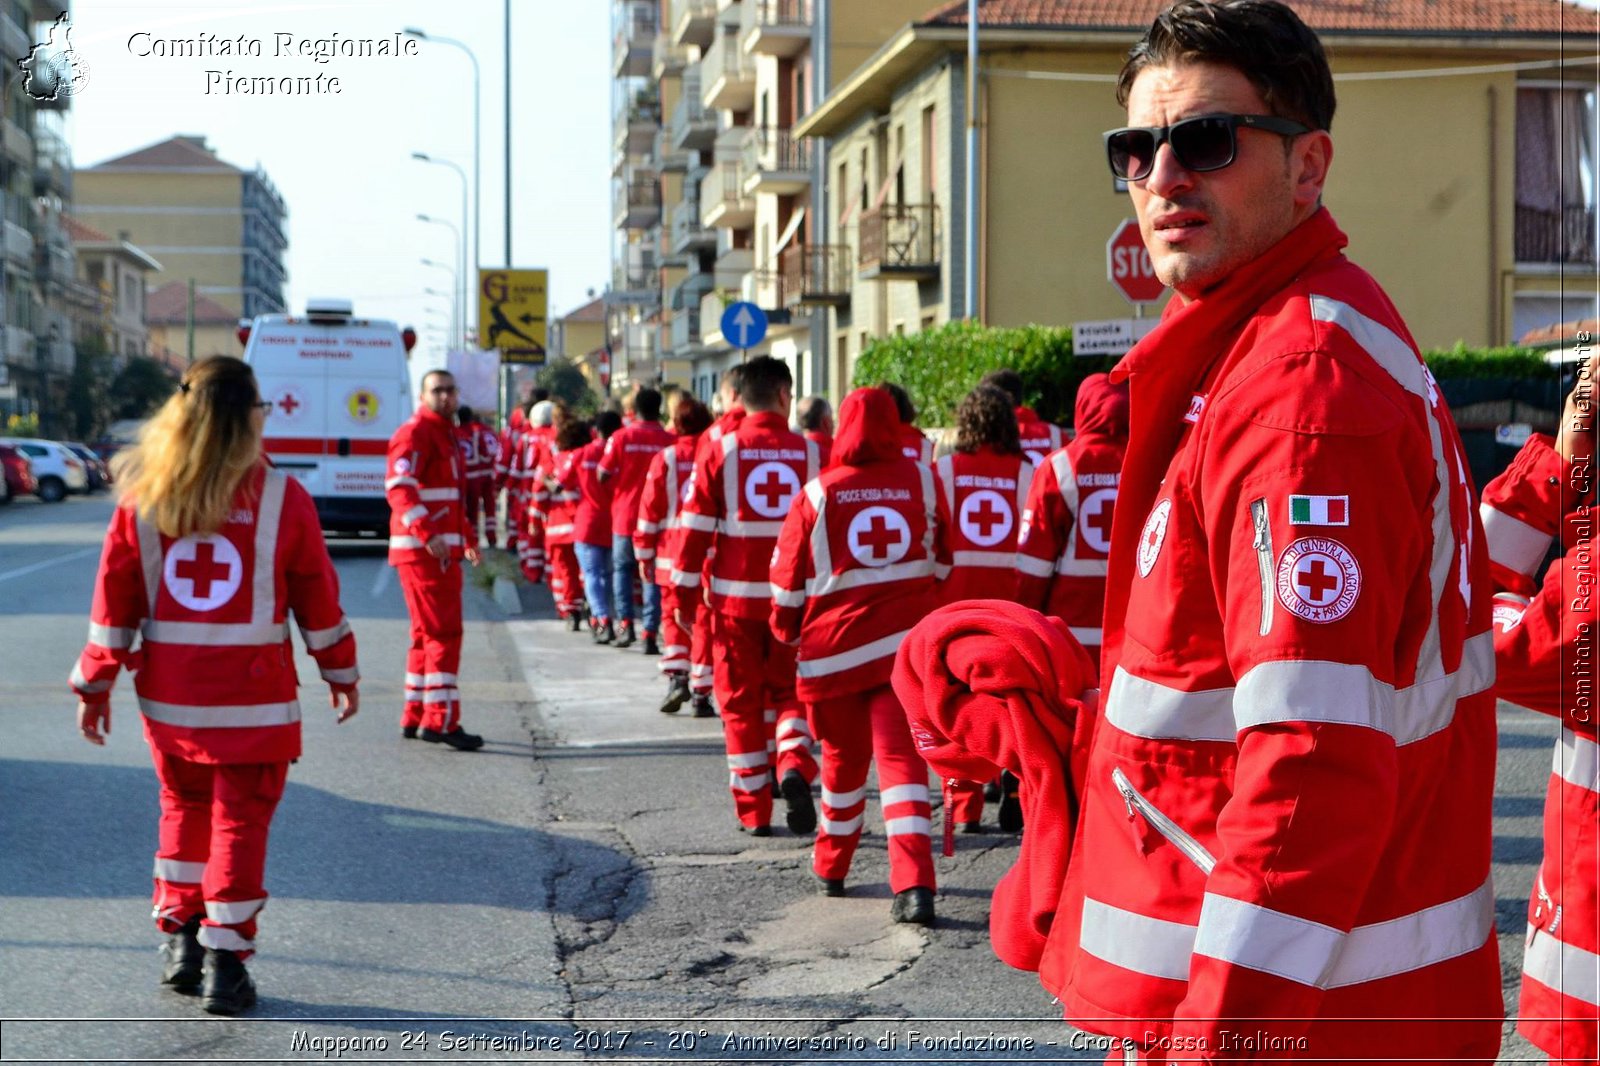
(940, 366)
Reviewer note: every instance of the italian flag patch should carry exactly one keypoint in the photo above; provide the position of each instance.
(1319, 510)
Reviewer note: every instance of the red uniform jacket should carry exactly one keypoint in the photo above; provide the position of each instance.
(1037, 437)
(743, 486)
(824, 443)
(915, 444)
(623, 466)
(1545, 659)
(480, 452)
(666, 489)
(859, 556)
(510, 444)
(1066, 526)
(984, 493)
(557, 504)
(424, 487)
(1287, 805)
(214, 670)
(580, 473)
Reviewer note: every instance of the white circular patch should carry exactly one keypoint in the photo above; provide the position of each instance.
(1036, 458)
(203, 572)
(770, 487)
(288, 406)
(1155, 533)
(402, 467)
(1318, 579)
(986, 518)
(879, 536)
(1507, 616)
(1094, 519)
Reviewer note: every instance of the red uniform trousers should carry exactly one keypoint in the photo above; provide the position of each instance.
(433, 598)
(763, 726)
(965, 799)
(212, 852)
(700, 671)
(479, 496)
(566, 578)
(854, 730)
(676, 639)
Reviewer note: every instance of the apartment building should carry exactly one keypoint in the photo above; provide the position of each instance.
(1463, 171)
(183, 330)
(201, 216)
(118, 271)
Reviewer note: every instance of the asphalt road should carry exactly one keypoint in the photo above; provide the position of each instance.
(576, 890)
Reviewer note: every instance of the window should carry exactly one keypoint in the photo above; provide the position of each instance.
(930, 178)
(1555, 184)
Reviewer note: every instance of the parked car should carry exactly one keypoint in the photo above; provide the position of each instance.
(55, 467)
(94, 467)
(16, 475)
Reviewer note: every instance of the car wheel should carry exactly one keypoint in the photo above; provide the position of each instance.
(52, 489)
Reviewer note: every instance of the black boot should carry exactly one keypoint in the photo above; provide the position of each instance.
(457, 738)
(183, 957)
(226, 987)
(677, 694)
(913, 906)
(702, 706)
(574, 622)
(830, 886)
(605, 634)
(650, 645)
(801, 817)
(625, 635)
(1010, 804)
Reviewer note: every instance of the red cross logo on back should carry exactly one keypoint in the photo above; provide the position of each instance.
(879, 536)
(202, 572)
(770, 487)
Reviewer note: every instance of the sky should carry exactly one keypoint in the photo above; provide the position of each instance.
(342, 160)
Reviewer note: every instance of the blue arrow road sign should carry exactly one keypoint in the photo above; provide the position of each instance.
(744, 324)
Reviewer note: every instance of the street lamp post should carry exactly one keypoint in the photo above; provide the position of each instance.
(455, 298)
(462, 174)
(460, 272)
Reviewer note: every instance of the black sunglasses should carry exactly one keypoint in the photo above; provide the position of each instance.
(1202, 143)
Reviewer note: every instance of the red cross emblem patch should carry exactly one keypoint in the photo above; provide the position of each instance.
(1155, 533)
(1318, 579)
(202, 572)
(879, 536)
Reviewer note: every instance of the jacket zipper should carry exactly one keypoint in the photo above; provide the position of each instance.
(1263, 547)
(1137, 805)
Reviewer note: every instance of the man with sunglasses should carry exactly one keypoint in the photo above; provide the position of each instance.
(428, 538)
(1285, 837)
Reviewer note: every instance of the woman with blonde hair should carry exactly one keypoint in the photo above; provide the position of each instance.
(208, 552)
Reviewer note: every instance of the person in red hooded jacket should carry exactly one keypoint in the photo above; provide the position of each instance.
(628, 455)
(914, 444)
(1066, 527)
(1544, 655)
(856, 567)
(558, 517)
(580, 472)
(208, 553)
(1037, 437)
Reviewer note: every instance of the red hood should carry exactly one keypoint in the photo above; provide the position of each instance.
(517, 420)
(1101, 407)
(869, 429)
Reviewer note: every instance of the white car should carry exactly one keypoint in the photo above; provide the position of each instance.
(55, 468)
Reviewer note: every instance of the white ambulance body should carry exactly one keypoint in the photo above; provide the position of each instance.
(339, 387)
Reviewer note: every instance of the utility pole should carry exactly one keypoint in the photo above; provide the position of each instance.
(188, 323)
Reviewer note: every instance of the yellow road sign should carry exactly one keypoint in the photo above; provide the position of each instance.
(511, 313)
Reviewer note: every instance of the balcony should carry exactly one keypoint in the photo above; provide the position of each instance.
(777, 162)
(764, 288)
(728, 75)
(732, 266)
(815, 275)
(1561, 236)
(683, 334)
(693, 128)
(667, 60)
(723, 204)
(634, 44)
(20, 347)
(16, 143)
(52, 167)
(900, 241)
(779, 28)
(19, 244)
(693, 22)
(669, 159)
(636, 277)
(689, 234)
(635, 123)
(636, 204)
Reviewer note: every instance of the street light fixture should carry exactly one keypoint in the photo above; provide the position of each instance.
(455, 303)
(424, 157)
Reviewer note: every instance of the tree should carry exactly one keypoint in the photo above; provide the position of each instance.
(89, 407)
(142, 386)
(566, 382)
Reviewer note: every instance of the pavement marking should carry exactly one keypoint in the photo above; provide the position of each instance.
(67, 558)
(380, 584)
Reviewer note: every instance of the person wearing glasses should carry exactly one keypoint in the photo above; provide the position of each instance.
(208, 553)
(1286, 807)
(428, 538)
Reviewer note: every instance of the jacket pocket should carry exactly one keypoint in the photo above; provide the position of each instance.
(1139, 807)
(1262, 543)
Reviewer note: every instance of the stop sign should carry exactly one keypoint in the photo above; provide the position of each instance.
(1128, 265)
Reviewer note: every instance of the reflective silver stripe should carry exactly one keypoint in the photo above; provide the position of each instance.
(83, 684)
(114, 637)
(1150, 709)
(1412, 941)
(730, 473)
(912, 825)
(794, 725)
(751, 783)
(317, 639)
(396, 482)
(418, 542)
(437, 680)
(842, 828)
(1072, 566)
(647, 527)
(1564, 968)
(745, 590)
(829, 583)
(813, 459)
(1025, 473)
(439, 494)
(905, 794)
(1397, 358)
(178, 871)
(233, 913)
(739, 527)
(414, 680)
(415, 514)
(1035, 567)
(784, 598)
(698, 522)
(821, 550)
(221, 938)
(946, 465)
(560, 531)
(213, 634)
(1259, 938)
(685, 581)
(746, 760)
(998, 560)
(263, 586)
(669, 465)
(149, 559)
(1087, 634)
(346, 676)
(1309, 691)
(930, 506)
(1577, 761)
(1512, 542)
(845, 660)
(1151, 946)
(840, 800)
(791, 743)
(441, 695)
(247, 716)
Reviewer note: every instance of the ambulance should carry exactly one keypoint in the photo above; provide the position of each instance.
(339, 388)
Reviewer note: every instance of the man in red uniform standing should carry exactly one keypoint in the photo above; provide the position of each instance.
(480, 453)
(625, 462)
(743, 486)
(427, 541)
(855, 569)
(816, 422)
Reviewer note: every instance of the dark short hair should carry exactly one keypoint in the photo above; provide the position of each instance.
(647, 404)
(607, 422)
(764, 377)
(573, 434)
(690, 417)
(1007, 381)
(1262, 39)
(465, 414)
(986, 416)
(813, 409)
(538, 395)
(733, 378)
(439, 373)
(902, 401)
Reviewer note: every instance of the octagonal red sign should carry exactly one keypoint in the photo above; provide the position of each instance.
(1128, 265)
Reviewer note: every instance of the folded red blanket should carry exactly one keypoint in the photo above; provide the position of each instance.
(988, 684)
